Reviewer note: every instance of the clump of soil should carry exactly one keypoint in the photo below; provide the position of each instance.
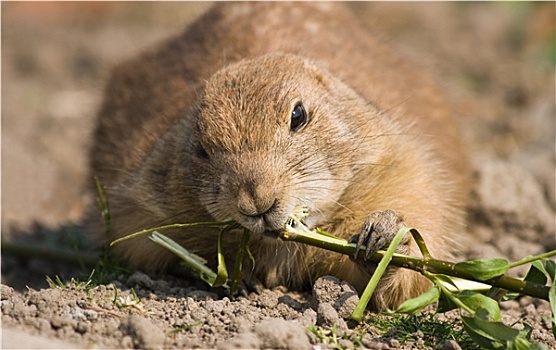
(56, 56)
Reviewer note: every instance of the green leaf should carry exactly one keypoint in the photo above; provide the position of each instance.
(495, 292)
(511, 296)
(447, 280)
(552, 300)
(478, 337)
(189, 259)
(415, 305)
(488, 334)
(445, 304)
(478, 302)
(551, 269)
(526, 331)
(520, 343)
(221, 271)
(484, 269)
(500, 294)
(537, 273)
(421, 244)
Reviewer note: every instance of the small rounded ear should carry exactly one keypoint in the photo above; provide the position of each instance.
(318, 71)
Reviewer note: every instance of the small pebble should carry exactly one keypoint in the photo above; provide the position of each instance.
(145, 334)
(278, 333)
(326, 315)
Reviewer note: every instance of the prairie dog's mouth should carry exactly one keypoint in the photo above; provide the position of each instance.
(295, 220)
(271, 224)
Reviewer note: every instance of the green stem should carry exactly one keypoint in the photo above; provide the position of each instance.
(222, 225)
(418, 264)
(530, 259)
(357, 314)
(236, 277)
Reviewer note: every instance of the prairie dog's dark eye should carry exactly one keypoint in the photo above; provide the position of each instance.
(201, 152)
(299, 117)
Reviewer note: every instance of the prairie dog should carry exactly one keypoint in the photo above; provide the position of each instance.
(258, 108)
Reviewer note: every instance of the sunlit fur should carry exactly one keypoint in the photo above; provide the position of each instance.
(198, 129)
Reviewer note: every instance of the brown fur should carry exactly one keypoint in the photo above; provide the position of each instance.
(380, 136)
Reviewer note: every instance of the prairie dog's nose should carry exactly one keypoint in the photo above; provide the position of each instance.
(256, 203)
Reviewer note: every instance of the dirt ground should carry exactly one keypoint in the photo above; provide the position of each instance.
(496, 60)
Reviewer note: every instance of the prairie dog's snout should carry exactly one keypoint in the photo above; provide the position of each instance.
(243, 192)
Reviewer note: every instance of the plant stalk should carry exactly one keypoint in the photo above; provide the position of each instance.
(417, 264)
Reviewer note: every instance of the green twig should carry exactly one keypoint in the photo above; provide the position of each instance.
(530, 259)
(236, 276)
(222, 225)
(357, 314)
(418, 264)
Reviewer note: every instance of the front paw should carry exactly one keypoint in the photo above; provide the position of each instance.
(377, 233)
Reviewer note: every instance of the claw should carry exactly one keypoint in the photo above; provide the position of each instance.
(377, 232)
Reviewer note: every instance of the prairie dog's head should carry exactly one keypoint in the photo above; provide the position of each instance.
(275, 133)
